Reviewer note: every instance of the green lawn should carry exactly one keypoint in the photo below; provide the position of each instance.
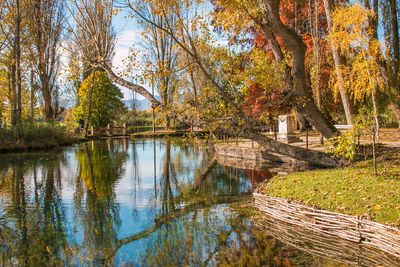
(352, 190)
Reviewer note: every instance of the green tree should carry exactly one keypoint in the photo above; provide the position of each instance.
(106, 100)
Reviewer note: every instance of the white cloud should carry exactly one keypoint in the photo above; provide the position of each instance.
(126, 39)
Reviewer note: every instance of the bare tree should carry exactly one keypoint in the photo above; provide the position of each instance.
(94, 38)
(46, 28)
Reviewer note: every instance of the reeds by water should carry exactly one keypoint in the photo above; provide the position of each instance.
(34, 136)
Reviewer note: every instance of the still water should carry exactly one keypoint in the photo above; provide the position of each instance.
(136, 203)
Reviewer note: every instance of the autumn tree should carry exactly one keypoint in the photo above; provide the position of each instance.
(12, 31)
(338, 60)
(160, 61)
(266, 15)
(222, 100)
(106, 100)
(388, 57)
(353, 35)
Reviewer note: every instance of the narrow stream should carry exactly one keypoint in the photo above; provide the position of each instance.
(144, 203)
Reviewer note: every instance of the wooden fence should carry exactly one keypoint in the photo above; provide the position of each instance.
(336, 225)
(324, 246)
(110, 130)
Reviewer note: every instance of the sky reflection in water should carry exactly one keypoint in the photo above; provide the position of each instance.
(147, 203)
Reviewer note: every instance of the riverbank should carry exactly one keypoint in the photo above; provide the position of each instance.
(30, 137)
(353, 190)
(24, 147)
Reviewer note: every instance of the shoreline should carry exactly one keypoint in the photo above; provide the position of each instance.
(40, 147)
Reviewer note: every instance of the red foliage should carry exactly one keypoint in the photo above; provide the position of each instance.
(299, 16)
(261, 101)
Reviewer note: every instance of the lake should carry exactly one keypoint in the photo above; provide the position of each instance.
(143, 203)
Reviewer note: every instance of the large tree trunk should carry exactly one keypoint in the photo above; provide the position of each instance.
(338, 60)
(301, 94)
(134, 87)
(48, 111)
(313, 157)
(301, 121)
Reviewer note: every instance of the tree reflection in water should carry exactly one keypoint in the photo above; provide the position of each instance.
(32, 222)
(100, 167)
(158, 203)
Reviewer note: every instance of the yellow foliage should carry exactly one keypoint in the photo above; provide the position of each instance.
(352, 33)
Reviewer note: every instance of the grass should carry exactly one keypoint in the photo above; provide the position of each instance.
(352, 190)
(31, 136)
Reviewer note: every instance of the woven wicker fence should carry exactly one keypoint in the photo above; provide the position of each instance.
(324, 246)
(331, 224)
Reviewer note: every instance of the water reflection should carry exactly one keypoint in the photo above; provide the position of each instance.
(32, 221)
(105, 203)
(100, 167)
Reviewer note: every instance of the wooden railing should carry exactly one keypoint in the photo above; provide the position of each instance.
(110, 130)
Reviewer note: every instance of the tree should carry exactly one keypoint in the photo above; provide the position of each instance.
(12, 30)
(266, 15)
(46, 28)
(221, 101)
(388, 57)
(353, 35)
(93, 40)
(339, 63)
(106, 100)
(161, 60)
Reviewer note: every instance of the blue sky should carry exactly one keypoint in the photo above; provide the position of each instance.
(128, 34)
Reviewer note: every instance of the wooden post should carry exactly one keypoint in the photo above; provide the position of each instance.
(236, 140)
(154, 121)
(373, 148)
(124, 129)
(275, 135)
(91, 130)
(109, 130)
(306, 138)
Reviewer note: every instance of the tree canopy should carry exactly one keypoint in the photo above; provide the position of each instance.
(106, 100)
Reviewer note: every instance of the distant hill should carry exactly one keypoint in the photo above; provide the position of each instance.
(140, 104)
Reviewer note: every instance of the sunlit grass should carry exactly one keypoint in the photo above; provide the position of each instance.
(353, 191)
